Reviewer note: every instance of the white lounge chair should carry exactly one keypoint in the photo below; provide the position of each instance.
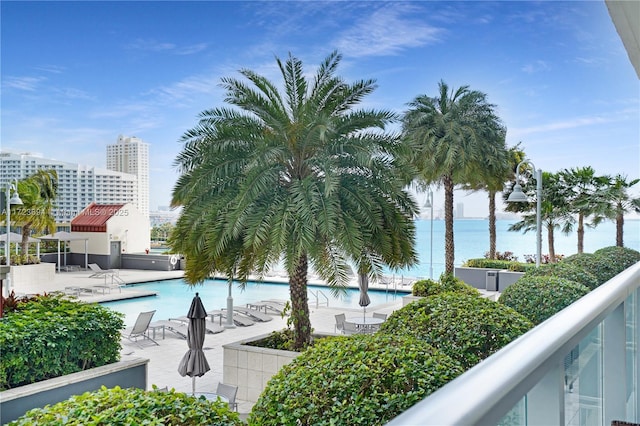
(254, 314)
(98, 272)
(141, 328)
(237, 319)
(211, 327)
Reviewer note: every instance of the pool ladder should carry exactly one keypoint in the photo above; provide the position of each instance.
(316, 295)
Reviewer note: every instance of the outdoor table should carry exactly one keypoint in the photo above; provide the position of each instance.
(211, 396)
(367, 324)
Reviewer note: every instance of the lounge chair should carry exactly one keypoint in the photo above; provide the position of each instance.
(237, 319)
(98, 272)
(211, 327)
(141, 328)
(252, 313)
(274, 305)
(178, 328)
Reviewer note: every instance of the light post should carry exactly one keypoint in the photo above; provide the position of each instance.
(429, 204)
(11, 201)
(517, 196)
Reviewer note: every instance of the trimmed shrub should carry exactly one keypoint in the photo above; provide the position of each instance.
(567, 271)
(605, 263)
(132, 406)
(447, 282)
(540, 297)
(360, 379)
(50, 336)
(497, 264)
(465, 327)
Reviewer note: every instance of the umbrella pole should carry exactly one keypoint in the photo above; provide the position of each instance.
(193, 385)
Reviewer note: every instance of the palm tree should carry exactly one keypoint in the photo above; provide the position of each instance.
(554, 211)
(455, 136)
(618, 202)
(581, 186)
(297, 175)
(38, 193)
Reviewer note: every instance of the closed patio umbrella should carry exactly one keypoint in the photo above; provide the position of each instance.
(194, 363)
(363, 283)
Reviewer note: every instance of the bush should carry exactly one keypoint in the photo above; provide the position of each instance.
(360, 379)
(605, 263)
(447, 282)
(567, 271)
(540, 297)
(465, 327)
(131, 407)
(49, 336)
(497, 264)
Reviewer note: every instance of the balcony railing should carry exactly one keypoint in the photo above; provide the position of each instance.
(579, 367)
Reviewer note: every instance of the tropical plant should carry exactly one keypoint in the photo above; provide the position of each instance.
(618, 202)
(354, 380)
(299, 176)
(606, 262)
(117, 406)
(510, 265)
(468, 328)
(38, 193)
(554, 212)
(540, 297)
(567, 271)
(447, 282)
(581, 186)
(456, 136)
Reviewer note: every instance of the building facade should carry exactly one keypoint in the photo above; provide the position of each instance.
(131, 155)
(78, 185)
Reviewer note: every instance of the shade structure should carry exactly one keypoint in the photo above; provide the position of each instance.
(363, 283)
(194, 363)
(67, 236)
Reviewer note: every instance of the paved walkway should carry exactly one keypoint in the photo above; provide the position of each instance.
(164, 358)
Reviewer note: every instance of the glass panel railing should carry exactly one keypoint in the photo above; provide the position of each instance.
(517, 416)
(584, 381)
(631, 353)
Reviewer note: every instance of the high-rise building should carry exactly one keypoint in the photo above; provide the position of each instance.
(131, 155)
(459, 210)
(78, 185)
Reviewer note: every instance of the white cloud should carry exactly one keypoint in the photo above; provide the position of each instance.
(23, 83)
(536, 66)
(571, 123)
(386, 32)
(157, 46)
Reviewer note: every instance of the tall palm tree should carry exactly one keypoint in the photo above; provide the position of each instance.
(554, 212)
(38, 193)
(581, 186)
(618, 202)
(297, 175)
(455, 136)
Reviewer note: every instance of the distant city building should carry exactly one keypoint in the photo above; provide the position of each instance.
(78, 185)
(459, 210)
(163, 216)
(131, 155)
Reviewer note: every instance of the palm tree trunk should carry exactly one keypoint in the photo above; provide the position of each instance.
(580, 233)
(552, 249)
(300, 304)
(448, 223)
(619, 228)
(492, 224)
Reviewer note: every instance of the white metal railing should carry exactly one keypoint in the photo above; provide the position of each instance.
(316, 295)
(579, 367)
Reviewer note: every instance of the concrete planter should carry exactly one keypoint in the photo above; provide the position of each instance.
(28, 275)
(251, 367)
(506, 278)
(126, 374)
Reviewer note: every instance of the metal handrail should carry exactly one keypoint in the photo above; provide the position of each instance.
(317, 295)
(485, 393)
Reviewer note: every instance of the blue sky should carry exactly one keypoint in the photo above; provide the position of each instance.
(75, 75)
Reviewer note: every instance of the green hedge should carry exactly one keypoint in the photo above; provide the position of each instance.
(353, 380)
(498, 264)
(446, 283)
(465, 327)
(567, 271)
(131, 407)
(540, 297)
(605, 263)
(50, 336)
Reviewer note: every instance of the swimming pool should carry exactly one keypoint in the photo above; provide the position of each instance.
(174, 297)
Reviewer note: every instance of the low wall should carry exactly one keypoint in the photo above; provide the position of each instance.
(29, 275)
(475, 277)
(126, 374)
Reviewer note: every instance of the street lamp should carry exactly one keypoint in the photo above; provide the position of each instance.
(11, 201)
(429, 204)
(517, 196)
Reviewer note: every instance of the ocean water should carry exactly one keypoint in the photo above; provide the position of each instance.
(471, 240)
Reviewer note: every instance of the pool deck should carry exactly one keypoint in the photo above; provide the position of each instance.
(165, 357)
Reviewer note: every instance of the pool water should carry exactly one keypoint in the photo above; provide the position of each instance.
(174, 297)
